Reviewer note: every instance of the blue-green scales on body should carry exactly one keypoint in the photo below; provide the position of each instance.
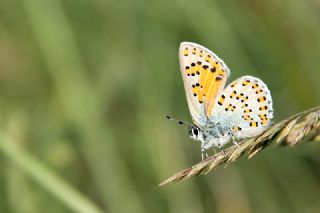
(217, 131)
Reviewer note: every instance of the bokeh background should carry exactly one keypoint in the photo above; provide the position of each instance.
(85, 87)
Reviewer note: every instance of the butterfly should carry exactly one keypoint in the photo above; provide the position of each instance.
(221, 114)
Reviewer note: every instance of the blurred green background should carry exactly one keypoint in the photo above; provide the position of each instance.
(85, 87)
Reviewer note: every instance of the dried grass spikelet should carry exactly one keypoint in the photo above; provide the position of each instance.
(288, 132)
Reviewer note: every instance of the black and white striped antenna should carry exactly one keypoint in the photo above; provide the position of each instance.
(179, 121)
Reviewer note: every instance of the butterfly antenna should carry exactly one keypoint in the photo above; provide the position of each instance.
(179, 121)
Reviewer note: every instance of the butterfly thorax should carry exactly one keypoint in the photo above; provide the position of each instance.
(217, 131)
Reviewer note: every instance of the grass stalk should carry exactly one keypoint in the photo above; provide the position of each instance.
(288, 132)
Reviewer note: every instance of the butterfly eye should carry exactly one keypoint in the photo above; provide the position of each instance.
(196, 132)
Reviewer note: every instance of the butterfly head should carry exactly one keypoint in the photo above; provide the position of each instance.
(196, 133)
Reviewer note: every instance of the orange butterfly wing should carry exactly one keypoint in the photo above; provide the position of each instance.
(204, 75)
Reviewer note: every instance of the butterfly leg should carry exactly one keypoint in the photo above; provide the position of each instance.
(235, 142)
(221, 149)
(203, 152)
(234, 139)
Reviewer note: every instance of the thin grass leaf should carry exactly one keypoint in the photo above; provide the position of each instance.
(289, 132)
(71, 197)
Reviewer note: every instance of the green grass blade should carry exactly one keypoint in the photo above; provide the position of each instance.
(46, 178)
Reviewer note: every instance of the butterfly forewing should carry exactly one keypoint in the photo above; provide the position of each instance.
(249, 99)
(204, 76)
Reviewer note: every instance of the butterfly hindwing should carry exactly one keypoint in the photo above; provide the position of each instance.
(249, 99)
(204, 76)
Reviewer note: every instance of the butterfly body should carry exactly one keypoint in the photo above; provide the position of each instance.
(218, 130)
(221, 114)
